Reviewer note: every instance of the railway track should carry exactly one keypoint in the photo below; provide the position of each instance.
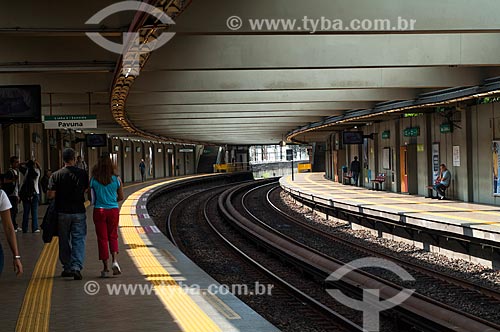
(196, 227)
(421, 311)
(463, 284)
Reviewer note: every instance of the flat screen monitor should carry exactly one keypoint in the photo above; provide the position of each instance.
(96, 140)
(352, 137)
(20, 104)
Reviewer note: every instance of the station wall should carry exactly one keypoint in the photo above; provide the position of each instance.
(467, 151)
(32, 141)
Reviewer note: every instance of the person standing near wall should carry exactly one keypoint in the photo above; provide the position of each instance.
(355, 170)
(142, 167)
(11, 188)
(108, 191)
(81, 164)
(8, 228)
(30, 195)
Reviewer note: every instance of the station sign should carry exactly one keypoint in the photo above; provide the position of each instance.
(75, 122)
(412, 115)
(411, 132)
(186, 150)
(289, 155)
(446, 128)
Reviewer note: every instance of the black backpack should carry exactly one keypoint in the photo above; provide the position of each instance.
(27, 190)
(9, 188)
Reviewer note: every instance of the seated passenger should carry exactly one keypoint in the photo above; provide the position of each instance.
(442, 181)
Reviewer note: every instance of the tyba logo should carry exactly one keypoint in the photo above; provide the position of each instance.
(132, 48)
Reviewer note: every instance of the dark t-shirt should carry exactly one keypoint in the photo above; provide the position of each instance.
(70, 184)
(355, 166)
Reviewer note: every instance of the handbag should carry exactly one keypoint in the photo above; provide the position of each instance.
(49, 224)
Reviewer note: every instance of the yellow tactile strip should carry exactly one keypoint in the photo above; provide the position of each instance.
(35, 310)
(189, 316)
(36, 306)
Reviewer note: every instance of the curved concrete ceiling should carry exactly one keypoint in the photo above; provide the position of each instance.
(252, 87)
(213, 84)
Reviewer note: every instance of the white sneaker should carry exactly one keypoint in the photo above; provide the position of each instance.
(116, 269)
(19, 229)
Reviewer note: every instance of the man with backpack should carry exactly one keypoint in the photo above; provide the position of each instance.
(11, 188)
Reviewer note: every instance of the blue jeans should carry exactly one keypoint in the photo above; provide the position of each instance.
(72, 229)
(355, 177)
(33, 206)
(440, 189)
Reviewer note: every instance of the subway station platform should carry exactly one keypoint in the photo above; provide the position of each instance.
(473, 220)
(159, 289)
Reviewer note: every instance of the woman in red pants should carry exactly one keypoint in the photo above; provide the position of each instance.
(107, 191)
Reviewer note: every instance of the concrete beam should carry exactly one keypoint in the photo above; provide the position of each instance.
(137, 118)
(283, 96)
(430, 15)
(170, 123)
(53, 50)
(48, 15)
(327, 51)
(74, 83)
(153, 110)
(237, 80)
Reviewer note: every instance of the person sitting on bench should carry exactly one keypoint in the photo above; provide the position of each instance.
(442, 182)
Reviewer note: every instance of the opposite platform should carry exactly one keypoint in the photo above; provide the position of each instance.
(473, 220)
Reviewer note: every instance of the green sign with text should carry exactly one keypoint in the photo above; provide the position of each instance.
(411, 132)
(446, 128)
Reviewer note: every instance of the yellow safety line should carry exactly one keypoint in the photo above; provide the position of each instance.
(408, 210)
(35, 309)
(189, 316)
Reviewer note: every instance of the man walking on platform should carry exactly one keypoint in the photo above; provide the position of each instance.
(68, 186)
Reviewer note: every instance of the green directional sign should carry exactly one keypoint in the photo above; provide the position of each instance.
(386, 134)
(446, 128)
(411, 132)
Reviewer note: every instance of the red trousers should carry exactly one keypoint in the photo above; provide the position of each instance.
(106, 228)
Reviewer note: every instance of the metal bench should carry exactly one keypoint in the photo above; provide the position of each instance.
(347, 178)
(379, 180)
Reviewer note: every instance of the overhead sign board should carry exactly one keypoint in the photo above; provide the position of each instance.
(70, 121)
(186, 150)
